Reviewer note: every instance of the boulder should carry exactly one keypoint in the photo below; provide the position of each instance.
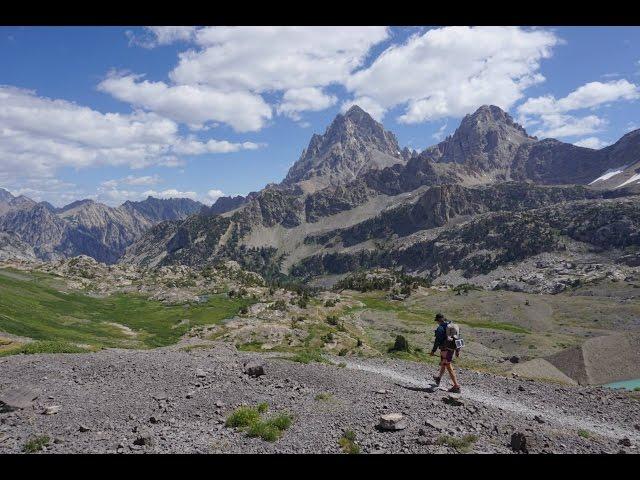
(514, 359)
(392, 421)
(200, 373)
(51, 410)
(18, 398)
(453, 399)
(436, 424)
(521, 442)
(144, 438)
(625, 442)
(254, 369)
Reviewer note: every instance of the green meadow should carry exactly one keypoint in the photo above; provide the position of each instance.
(31, 307)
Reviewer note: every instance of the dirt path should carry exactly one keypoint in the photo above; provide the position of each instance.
(550, 413)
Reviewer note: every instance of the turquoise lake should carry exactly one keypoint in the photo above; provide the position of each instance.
(628, 384)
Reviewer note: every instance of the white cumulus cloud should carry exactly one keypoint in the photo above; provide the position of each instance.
(191, 104)
(554, 117)
(451, 71)
(214, 194)
(161, 35)
(263, 59)
(592, 142)
(299, 100)
(39, 135)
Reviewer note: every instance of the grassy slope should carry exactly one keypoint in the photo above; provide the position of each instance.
(34, 309)
(510, 322)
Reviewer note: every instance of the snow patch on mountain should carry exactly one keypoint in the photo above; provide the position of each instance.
(608, 174)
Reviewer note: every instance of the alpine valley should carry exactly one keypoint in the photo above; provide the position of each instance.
(300, 318)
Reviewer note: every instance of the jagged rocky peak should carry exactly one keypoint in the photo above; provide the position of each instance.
(353, 144)
(486, 140)
(159, 209)
(5, 195)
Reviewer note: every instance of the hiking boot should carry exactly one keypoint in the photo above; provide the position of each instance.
(437, 380)
(454, 389)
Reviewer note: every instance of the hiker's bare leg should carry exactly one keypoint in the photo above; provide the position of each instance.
(452, 374)
(442, 369)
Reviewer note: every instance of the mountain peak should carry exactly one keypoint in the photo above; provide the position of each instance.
(352, 144)
(486, 140)
(488, 115)
(5, 195)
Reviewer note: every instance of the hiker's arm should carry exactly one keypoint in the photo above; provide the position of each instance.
(435, 345)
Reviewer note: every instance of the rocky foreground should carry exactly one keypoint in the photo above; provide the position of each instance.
(176, 400)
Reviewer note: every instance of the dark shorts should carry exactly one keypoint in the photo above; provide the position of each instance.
(446, 356)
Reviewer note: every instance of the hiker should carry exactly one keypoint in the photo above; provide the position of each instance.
(447, 348)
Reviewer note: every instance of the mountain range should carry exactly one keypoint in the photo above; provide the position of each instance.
(39, 230)
(486, 196)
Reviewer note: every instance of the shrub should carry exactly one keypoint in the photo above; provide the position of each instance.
(278, 305)
(343, 352)
(348, 442)
(460, 444)
(327, 338)
(244, 310)
(332, 320)
(330, 303)
(36, 444)
(303, 302)
(263, 407)
(400, 345)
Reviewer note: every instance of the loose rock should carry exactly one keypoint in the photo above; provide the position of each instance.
(392, 421)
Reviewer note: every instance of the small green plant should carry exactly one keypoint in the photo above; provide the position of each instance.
(323, 397)
(343, 352)
(278, 305)
(327, 338)
(636, 389)
(282, 421)
(348, 443)
(342, 365)
(244, 310)
(584, 433)
(264, 430)
(248, 418)
(333, 320)
(36, 444)
(303, 302)
(462, 445)
(308, 356)
(243, 417)
(330, 303)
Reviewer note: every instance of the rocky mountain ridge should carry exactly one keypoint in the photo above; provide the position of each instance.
(486, 174)
(84, 226)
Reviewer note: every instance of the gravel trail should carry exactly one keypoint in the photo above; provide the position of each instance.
(176, 400)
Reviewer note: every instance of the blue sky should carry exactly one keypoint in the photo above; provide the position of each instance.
(120, 113)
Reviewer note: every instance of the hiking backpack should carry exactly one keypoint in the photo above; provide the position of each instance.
(453, 335)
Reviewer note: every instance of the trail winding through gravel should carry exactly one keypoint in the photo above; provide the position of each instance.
(550, 413)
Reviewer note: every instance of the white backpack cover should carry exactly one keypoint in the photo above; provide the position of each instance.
(453, 335)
